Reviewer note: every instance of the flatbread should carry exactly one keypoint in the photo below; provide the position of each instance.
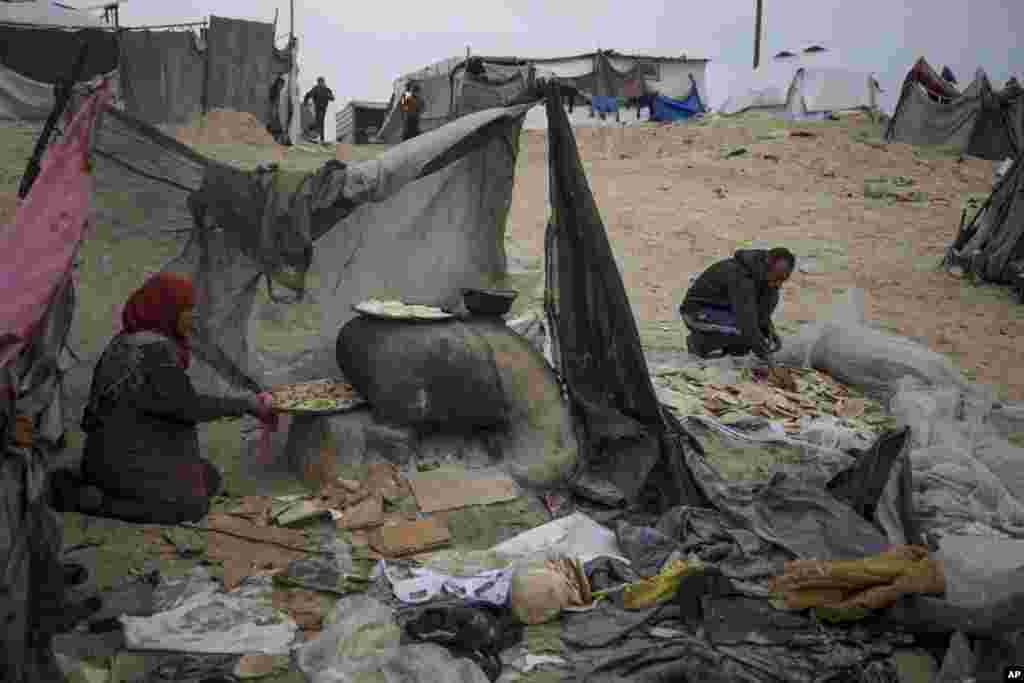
(401, 311)
(318, 396)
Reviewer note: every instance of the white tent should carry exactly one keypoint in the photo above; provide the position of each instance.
(807, 86)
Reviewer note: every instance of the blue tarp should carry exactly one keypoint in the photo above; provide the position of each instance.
(604, 105)
(668, 109)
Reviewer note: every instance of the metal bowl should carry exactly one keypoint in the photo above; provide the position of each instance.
(492, 302)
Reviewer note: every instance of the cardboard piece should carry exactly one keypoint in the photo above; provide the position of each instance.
(243, 558)
(435, 495)
(409, 538)
(368, 513)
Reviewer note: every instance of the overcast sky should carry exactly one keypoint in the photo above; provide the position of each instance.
(362, 47)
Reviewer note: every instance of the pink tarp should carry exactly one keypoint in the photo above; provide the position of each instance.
(38, 249)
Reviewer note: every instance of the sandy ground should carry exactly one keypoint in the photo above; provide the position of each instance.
(673, 205)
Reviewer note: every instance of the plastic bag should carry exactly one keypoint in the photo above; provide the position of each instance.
(360, 642)
(854, 353)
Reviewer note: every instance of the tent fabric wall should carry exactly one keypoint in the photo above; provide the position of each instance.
(786, 89)
(46, 55)
(995, 237)
(977, 122)
(23, 98)
(163, 75)
(240, 56)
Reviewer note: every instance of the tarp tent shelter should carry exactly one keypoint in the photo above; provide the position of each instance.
(978, 121)
(790, 88)
(624, 77)
(457, 87)
(423, 221)
(39, 42)
(992, 245)
(170, 76)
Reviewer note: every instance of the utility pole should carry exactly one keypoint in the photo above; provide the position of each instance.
(757, 33)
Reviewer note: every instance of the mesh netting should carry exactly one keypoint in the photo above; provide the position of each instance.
(420, 222)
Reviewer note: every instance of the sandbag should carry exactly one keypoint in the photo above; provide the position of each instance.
(425, 373)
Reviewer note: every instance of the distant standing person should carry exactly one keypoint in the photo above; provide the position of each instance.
(321, 95)
(728, 309)
(411, 105)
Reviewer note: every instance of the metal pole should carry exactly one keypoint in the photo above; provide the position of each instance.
(757, 34)
(276, 10)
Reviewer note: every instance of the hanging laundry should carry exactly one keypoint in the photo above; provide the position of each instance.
(604, 105)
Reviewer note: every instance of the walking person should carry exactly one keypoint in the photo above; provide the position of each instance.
(321, 96)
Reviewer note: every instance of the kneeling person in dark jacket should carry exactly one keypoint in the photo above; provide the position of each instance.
(728, 309)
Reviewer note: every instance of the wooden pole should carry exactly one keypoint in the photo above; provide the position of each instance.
(757, 33)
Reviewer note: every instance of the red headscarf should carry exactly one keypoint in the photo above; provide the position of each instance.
(156, 307)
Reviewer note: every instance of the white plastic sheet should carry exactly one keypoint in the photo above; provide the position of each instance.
(214, 623)
(360, 642)
(576, 535)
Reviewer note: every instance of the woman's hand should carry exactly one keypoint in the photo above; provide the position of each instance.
(260, 407)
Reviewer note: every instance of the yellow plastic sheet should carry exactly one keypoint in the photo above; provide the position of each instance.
(664, 586)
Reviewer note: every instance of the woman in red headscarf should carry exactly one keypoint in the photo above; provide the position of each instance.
(142, 461)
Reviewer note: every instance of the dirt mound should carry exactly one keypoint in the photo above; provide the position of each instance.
(8, 204)
(224, 127)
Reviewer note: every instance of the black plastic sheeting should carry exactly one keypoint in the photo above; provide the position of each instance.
(47, 55)
(241, 65)
(624, 433)
(163, 74)
(993, 242)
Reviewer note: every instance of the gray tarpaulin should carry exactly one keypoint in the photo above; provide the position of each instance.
(976, 123)
(241, 65)
(995, 237)
(162, 75)
(424, 219)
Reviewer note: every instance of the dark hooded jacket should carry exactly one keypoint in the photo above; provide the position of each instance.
(739, 283)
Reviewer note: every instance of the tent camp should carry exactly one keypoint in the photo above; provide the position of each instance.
(160, 76)
(991, 245)
(978, 121)
(805, 86)
(454, 87)
(39, 42)
(622, 81)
